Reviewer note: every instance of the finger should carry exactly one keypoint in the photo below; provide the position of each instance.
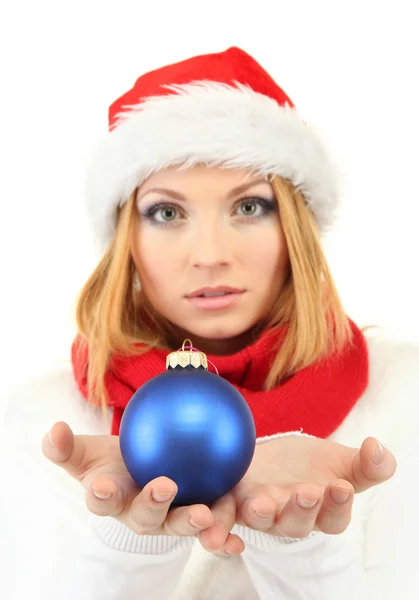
(336, 509)
(373, 464)
(233, 545)
(188, 520)
(215, 537)
(259, 513)
(298, 517)
(149, 508)
(60, 448)
(111, 494)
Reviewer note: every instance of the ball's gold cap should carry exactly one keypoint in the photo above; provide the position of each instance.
(183, 358)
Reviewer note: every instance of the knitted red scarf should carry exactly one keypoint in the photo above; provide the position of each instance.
(315, 400)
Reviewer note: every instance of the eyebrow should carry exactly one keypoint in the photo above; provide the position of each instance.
(181, 197)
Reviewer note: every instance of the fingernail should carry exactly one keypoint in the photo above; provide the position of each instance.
(378, 454)
(50, 440)
(158, 497)
(305, 502)
(102, 495)
(339, 495)
(258, 514)
(192, 522)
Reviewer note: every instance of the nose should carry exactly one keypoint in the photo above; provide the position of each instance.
(211, 247)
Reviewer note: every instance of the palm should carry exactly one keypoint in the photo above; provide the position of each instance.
(102, 455)
(301, 458)
(96, 462)
(286, 468)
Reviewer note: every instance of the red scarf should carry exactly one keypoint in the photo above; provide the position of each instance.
(315, 399)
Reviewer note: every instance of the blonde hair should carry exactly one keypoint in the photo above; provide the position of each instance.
(112, 318)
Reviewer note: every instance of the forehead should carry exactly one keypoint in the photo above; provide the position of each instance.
(216, 178)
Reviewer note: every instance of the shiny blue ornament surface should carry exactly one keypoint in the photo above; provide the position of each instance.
(192, 426)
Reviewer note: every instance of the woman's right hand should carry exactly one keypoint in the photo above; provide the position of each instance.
(96, 462)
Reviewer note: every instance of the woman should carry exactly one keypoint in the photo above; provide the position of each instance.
(208, 198)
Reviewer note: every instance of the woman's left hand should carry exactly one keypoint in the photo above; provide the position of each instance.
(299, 484)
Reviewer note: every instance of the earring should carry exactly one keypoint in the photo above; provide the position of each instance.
(136, 282)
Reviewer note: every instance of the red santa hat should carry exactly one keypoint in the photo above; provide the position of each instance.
(219, 109)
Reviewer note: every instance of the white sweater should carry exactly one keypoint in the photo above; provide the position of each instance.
(52, 547)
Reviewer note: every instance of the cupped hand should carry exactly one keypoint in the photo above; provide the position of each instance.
(96, 462)
(299, 484)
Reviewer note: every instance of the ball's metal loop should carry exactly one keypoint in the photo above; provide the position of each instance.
(190, 345)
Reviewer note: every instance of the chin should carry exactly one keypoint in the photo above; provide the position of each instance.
(219, 331)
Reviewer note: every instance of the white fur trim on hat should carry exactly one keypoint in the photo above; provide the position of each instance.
(212, 123)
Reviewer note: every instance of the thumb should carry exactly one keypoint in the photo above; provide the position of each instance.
(371, 465)
(60, 448)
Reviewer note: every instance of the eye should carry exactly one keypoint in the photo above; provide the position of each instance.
(255, 207)
(167, 213)
(162, 212)
(249, 208)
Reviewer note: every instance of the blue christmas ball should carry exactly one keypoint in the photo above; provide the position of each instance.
(192, 426)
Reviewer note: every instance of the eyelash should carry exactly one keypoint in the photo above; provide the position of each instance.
(267, 205)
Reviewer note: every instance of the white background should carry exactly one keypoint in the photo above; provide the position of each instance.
(351, 68)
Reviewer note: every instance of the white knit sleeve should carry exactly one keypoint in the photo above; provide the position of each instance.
(319, 567)
(114, 563)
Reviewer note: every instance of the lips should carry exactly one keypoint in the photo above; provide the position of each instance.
(219, 291)
(214, 303)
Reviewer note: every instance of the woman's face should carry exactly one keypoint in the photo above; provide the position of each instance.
(205, 227)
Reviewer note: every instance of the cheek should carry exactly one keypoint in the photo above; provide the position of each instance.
(155, 260)
(269, 254)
